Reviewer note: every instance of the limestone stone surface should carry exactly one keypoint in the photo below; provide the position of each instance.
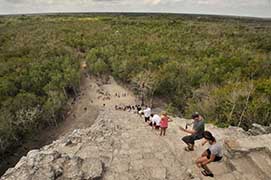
(119, 145)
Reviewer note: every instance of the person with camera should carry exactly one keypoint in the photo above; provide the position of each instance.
(196, 132)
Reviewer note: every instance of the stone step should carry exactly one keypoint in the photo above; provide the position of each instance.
(234, 175)
(262, 160)
(220, 168)
(248, 169)
(226, 176)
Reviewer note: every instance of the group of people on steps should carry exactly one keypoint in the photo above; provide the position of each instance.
(197, 131)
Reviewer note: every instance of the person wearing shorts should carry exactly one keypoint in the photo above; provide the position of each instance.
(212, 154)
(217, 158)
(196, 132)
(155, 121)
(164, 123)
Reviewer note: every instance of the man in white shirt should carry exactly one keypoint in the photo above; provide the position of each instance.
(147, 114)
(155, 121)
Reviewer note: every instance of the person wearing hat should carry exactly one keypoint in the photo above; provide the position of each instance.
(212, 154)
(196, 132)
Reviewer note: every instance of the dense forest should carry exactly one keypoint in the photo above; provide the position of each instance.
(218, 66)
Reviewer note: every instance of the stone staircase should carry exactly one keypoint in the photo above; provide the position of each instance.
(140, 153)
(245, 157)
(120, 146)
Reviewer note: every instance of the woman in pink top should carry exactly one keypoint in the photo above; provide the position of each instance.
(164, 123)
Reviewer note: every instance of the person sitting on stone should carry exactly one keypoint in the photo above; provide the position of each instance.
(155, 121)
(147, 113)
(212, 154)
(196, 132)
(164, 123)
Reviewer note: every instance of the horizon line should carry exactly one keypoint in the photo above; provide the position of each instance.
(127, 12)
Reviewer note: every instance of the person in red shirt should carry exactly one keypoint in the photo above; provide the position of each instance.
(164, 123)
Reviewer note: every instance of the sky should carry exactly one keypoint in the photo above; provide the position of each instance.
(254, 8)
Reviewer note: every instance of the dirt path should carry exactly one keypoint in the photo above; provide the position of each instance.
(84, 111)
